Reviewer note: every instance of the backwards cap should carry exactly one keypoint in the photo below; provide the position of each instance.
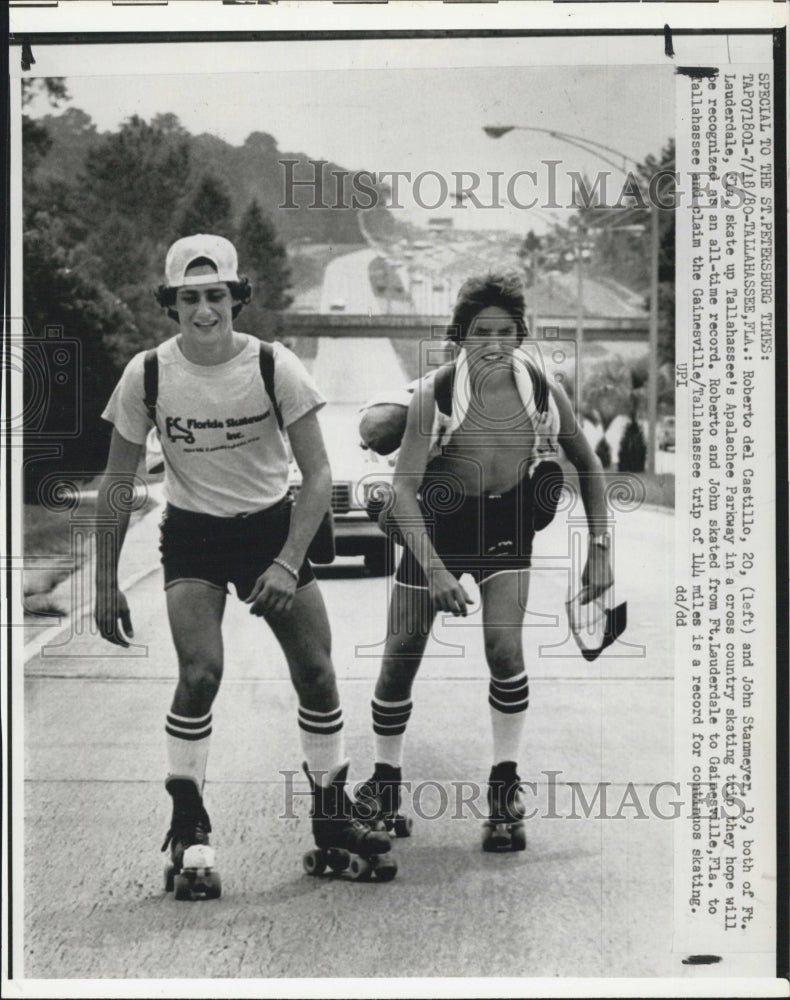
(183, 252)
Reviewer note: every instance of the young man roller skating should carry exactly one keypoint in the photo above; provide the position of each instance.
(466, 499)
(228, 519)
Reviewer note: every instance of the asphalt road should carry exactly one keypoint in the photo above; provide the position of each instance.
(589, 896)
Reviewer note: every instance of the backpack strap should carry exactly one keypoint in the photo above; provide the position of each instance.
(151, 382)
(444, 382)
(540, 387)
(443, 389)
(266, 361)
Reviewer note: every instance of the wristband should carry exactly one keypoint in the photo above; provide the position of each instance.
(287, 567)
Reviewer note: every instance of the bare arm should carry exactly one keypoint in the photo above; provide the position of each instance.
(307, 444)
(446, 592)
(112, 521)
(597, 575)
(275, 587)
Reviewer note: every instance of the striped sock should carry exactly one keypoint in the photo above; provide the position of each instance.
(188, 741)
(509, 701)
(389, 728)
(322, 742)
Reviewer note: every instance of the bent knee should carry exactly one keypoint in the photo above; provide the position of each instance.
(201, 678)
(504, 656)
(313, 673)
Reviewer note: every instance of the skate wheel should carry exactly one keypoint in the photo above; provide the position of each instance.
(360, 870)
(386, 871)
(212, 885)
(495, 837)
(182, 888)
(338, 860)
(314, 862)
(403, 826)
(518, 837)
(170, 872)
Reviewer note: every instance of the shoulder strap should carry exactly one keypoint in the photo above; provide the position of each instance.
(266, 360)
(444, 380)
(151, 382)
(443, 389)
(540, 386)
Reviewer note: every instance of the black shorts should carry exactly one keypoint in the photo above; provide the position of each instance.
(480, 535)
(223, 550)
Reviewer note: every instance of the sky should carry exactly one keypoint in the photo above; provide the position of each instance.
(394, 114)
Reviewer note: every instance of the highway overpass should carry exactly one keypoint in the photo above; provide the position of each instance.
(632, 329)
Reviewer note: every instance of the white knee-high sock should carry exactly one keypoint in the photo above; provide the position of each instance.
(509, 701)
(188, 742)
(321, 735)
(389, 728)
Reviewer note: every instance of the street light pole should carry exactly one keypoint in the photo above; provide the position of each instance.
(579, 325)
(652, 354)
(595, 148)
(533, 319)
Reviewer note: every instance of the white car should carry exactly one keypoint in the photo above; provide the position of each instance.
(356, 474)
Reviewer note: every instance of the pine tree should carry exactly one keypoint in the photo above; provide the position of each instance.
(208, 209)
(632, 453)
(264, 257)
(265, 260)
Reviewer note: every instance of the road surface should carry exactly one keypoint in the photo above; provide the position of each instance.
(589, 897)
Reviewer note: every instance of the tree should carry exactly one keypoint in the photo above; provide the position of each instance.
(208, 209)
(607, 389)
(531, 257)
(265, 259)
(36, 141)
(604, 453)
(665, 386)
(622, 237)
(633, 448)
(95, 334)
(138, 172)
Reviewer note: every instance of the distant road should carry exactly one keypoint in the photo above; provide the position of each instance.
(351, 371)
(347, 284)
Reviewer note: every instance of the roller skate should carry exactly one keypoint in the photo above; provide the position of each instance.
(343, 843)
(378, 802)
(504, 829)
(190, 873)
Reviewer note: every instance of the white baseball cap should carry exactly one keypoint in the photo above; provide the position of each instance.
(183, 252)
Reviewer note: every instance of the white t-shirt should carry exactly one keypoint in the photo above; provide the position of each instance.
(224, 453)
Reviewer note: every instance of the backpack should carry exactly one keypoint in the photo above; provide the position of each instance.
(322, 548)
(151, 380)
(443, 384)
(444, 381)
(546, 477)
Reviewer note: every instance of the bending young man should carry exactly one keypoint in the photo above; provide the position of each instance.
(464, 502)
(228, 520)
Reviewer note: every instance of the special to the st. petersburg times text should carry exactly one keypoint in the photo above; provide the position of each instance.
(725, 530)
